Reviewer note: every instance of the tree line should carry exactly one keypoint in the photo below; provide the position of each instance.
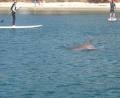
(95, 1)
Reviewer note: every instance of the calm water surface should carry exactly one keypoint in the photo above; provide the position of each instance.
(36, 63)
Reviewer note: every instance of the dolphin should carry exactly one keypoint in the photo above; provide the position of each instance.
(86, 46)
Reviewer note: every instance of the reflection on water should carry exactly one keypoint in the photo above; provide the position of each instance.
(35, 64)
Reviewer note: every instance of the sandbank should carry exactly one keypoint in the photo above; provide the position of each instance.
(68, 7)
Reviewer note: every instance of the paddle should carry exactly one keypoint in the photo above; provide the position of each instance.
(2, 20)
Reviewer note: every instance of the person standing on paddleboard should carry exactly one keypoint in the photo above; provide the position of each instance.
(112, 9)
(13, 12)
(37, 1)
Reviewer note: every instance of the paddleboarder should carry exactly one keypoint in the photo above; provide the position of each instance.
(37, 1)
(13, 12)
(112, 9)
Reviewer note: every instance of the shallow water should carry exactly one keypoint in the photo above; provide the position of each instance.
(35, 63)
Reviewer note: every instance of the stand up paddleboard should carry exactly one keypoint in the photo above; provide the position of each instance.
(112, 19)
(20, 27)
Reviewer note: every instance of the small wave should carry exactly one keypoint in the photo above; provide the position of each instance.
(68, 85)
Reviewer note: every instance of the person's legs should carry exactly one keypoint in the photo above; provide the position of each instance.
(110, 15)
(14, 18)
(38, 2)
(35, 2)
(114, 15)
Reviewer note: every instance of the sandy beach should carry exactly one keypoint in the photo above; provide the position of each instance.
(58, 7)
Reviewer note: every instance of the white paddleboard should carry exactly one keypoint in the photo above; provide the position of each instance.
(29, 26)
(112, 19)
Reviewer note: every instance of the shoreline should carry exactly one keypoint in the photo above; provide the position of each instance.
(63, 7)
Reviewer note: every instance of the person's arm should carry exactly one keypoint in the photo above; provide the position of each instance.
(14, 8)
(115, 5)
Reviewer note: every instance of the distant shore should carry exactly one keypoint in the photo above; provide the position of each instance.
(65, 7)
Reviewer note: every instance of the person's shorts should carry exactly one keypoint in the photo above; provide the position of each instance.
(112, 11)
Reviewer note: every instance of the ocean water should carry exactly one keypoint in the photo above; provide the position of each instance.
(38, 62)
